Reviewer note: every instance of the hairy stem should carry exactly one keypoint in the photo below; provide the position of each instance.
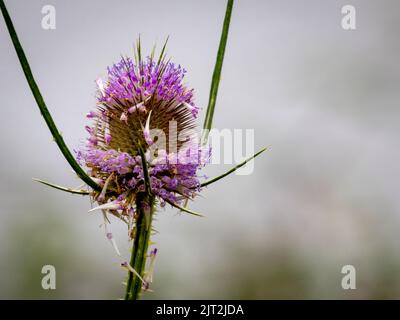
(140, 246)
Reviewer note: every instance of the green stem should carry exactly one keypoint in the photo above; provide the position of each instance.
(140, 247)
(216, 77)
(40, 101)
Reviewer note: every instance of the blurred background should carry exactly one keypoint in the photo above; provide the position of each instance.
(325, 195)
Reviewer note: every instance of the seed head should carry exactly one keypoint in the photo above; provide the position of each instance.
(134, 100)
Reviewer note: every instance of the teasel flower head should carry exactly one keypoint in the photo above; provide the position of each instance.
(144, 113)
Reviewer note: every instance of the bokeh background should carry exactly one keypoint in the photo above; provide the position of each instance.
(325, 195)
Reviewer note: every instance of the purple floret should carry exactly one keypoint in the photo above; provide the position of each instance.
(132, 95)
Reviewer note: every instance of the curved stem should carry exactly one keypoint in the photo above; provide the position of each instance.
(40, 101)
(206, 183)
(140, 246)
(217, 73)
(65, 189)
(184, 209)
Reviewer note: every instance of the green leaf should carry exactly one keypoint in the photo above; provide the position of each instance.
(65, 189)
(204, 184)
(216, 77)
(184, 209)
(40, 102)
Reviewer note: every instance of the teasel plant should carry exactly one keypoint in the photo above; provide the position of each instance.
(127, 175)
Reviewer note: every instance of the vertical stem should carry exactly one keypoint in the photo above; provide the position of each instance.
(216, 77)
(140, 246)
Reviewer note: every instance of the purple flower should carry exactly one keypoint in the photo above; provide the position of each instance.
(132, 101)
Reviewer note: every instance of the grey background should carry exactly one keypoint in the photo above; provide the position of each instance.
(324, 196)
